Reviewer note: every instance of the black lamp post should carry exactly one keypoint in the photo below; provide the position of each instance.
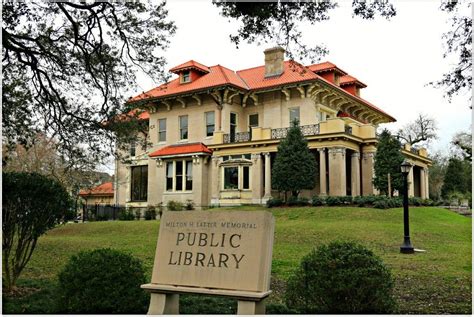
(406, 246)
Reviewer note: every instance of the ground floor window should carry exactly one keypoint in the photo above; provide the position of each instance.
(237, 177)
(139, 183)
(179, 175)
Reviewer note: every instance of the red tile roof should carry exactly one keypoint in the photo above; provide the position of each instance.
(324, 67)
(105, 189)
(177, 149)
(190, 64)
(348, 79)
(292, 73)
(217, 76)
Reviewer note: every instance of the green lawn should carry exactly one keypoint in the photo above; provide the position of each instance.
(436, 281)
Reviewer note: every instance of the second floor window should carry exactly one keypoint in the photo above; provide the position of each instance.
(139, 183)
(183, 127)
(161, 130)
(210, 123)
(253, 120)
(233, 123)
(294, 114)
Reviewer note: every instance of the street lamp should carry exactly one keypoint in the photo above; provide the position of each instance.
(406, 246)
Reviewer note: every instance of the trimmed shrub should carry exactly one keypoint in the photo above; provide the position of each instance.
(360, 201)
(415, 201)
(317, 201)
(341, 278)
(292, 201)
(274, 202)
(102, 281)
(173, 205)
(189, 205)
(150, 213)
(303, 201)
(346, 200)
(126, 215)
(138, 213)
(382, 204)
(333, 201)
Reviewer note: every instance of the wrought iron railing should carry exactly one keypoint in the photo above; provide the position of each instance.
(237, 137)
(348, 129)
(311, 129)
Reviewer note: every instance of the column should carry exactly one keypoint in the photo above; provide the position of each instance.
(322, 172)
(219, 118)
(128, 190)
(422, 184)
(427, 182)
(268, 176)
(215, 180)
(257, 181)
(367, 173)
(411, 183)
(355, 175)
(337, 171)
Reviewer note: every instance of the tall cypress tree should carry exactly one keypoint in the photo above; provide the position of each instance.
(295, 166)
(388, 159)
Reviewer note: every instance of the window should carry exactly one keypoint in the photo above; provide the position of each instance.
(231, 177)
(246, 182)
(253, 120)
(189, 175)
(209, 123)
(186, 77)
(161, 130)
(233, 126)
(139, 185)
(182, 178)
(169, 176)
(294, 114)
(133, 148)
(183, 127)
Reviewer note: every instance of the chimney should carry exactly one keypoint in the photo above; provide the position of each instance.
(274, 61)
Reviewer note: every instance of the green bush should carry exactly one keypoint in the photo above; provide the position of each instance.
(102, 218)
(205, 305)
(360, 201)
(302, 201)
(279, 309)
(189, 204)
(102, 281)
(173, 205)
(414, 201)
(292, 201)
(274, 202)
(341, 278)
(346, 200)
(334, 201)
(317, 201)
(150, 213)
(126, 215)
(382, 204)
(138, 213)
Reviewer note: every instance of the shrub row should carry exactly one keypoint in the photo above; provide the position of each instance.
(381, 202)
(174, 205)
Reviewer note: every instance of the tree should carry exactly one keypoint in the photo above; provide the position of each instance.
(437, 174)
(277, 22)
(32, 205)
(462, 142)
(388, 159)
(422, 130)
(68, 65)
(295, 167)
(457, 178)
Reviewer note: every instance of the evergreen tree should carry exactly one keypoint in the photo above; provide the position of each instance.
(295, 167)
(388, 159)
(457, 177)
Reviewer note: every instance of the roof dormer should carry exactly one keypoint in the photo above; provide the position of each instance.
(351, 84)
(328, 71)
(189, 71)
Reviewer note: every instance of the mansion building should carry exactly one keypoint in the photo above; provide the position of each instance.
(214, 134)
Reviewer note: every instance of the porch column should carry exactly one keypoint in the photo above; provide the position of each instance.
(219, 118)
(268, 176)
(427, 182)
(128, 187)
(422, 183)
(257, 178)
(355, 175)
(215, 181)
(367, 173)
(411, 183)
(322, 172)
(337, 171)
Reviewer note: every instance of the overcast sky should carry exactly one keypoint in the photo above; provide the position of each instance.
(396, 59)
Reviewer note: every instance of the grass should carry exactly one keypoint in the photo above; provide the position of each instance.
(436, 281)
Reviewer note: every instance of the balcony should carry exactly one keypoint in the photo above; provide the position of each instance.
(312, 129)
(237, 137)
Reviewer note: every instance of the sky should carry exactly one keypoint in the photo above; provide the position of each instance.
(396, 59)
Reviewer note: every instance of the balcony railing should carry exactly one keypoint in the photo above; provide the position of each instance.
(312, 129)
(348, 129)
(415, 150)
(237, 137)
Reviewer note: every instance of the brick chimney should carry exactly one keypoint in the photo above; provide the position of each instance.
(274, 61)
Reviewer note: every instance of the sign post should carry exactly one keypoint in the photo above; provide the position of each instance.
(213, 253)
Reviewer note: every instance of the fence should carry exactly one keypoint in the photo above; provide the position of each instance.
(109, 212)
